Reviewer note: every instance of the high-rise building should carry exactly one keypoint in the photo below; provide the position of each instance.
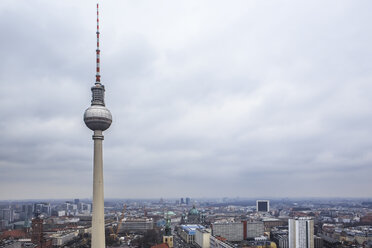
(28, 211)
(301, 232)
(43, 208)
(187, 200)
(47, 209)
(98, 118)
(182, 202)
(84, 208)
(263, 205)
(3, 224)
(7, 214)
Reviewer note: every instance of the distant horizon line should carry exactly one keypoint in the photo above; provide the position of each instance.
(236, 198)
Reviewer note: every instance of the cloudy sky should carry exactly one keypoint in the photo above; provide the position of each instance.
(209, 98)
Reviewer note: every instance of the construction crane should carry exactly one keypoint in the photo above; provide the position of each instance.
(114, 234)
(121, 219)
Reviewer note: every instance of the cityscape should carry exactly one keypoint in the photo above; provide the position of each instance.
(190, 223)
(186, 124)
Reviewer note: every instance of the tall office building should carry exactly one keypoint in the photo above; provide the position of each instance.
(47, 209)
(187, 200)
(263, 205)
(98, 118)
(28, 211)
(7, 214)
(301, 232)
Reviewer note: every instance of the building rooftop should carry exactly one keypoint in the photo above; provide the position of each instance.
(163, 245)
(191, 229)
(13, 234)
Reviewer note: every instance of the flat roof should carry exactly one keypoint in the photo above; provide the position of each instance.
(191, 229)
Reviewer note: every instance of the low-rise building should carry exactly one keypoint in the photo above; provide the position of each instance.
(281, 239)
(361, 237)
(61, 238)
(260, 244)
(137, 224)
(254, 229)
(187, 232)
(273, 222)
(318, 242)
(231, 231)
(218, 242)
(10, 244)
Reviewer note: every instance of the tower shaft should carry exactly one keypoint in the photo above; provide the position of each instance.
(98, 219)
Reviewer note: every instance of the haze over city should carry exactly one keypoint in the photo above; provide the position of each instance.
(209, 99)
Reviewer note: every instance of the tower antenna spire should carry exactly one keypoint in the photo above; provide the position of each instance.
(98, 76)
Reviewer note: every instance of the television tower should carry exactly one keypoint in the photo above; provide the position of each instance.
(98, 118)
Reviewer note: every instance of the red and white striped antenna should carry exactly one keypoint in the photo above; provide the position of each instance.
(98, 76)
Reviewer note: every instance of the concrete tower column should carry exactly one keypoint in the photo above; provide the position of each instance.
(98, 219)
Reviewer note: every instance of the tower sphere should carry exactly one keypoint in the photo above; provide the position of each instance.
(97, 117)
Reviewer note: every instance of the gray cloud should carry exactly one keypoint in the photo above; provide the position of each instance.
(209, 99)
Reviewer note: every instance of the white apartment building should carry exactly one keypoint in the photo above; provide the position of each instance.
(301, 233)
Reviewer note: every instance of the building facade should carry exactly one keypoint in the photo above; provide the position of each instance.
(281, 239)
(137, 224)
(301, 232)
(231, 231)
(263, 205)
(187, 232)
(254, 229)
(261, 244)
(61, 238)
(7, 214)
(202, 238)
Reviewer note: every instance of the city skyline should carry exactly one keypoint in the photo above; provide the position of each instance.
(210, 99)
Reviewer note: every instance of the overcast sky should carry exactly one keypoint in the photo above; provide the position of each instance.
(214, 98)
